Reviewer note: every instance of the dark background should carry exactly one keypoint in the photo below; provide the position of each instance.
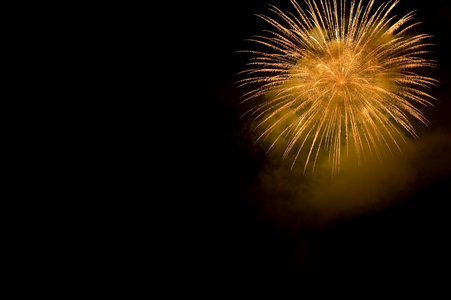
(223, 231)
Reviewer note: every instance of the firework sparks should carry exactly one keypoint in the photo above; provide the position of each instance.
(338, 76)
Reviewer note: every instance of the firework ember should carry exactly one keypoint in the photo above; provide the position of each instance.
(338, 76)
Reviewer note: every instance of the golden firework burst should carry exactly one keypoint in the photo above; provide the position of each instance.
(336, 76)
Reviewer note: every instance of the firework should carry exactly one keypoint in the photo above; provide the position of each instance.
(336, 76)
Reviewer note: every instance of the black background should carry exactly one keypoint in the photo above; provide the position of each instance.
(221, 232)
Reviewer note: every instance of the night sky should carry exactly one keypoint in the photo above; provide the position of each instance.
(246, 214)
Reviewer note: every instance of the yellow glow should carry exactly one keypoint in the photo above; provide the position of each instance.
(334, 79)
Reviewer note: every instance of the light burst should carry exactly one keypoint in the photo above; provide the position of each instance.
(336, 76)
